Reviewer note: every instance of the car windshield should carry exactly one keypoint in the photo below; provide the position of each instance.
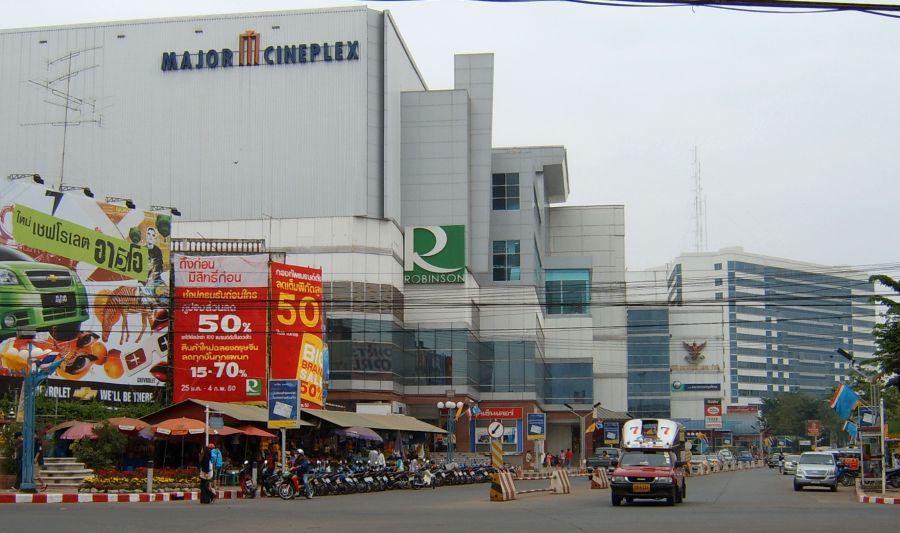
(817, 459)
(10, 254)
(610, 452)
(792, 458)
(645, 459)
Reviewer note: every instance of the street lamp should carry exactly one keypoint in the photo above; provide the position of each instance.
(581, 428)
(451, 423)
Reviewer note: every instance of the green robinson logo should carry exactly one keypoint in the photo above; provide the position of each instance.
(435, 254)
(253, 387)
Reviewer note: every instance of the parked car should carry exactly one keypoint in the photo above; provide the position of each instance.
(815, 469)
(715, 464)
(607, 458)
(42, 296)
(747, 457)
(790, 464)
(699, 465)
(727, 458)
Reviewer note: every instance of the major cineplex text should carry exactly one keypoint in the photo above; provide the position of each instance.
(271, 55)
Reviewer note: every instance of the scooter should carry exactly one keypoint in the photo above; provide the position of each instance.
(245, 480)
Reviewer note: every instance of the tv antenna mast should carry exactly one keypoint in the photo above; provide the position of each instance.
(699, 207)
(76, 111)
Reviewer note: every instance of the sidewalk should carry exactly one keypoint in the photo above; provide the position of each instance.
(95, 497)
(891, 496)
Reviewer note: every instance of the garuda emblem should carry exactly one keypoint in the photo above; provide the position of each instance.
(694, 351)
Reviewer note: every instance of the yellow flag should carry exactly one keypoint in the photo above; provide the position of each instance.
(591, 428)
(460, 410)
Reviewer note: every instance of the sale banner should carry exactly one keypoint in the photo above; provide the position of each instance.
(297, 330)
(220, 328)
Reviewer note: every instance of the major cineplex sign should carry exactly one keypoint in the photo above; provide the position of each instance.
(251, 53)
(434, 254)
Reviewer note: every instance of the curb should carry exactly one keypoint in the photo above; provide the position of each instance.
(862, 497)
(138, 497)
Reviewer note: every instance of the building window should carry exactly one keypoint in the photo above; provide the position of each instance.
(718, 282)
(717, 266)
(718, 296)
(568, 292)
(505, 191)
(506, 261)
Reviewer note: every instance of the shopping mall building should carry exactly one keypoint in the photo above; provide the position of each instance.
(453, 269)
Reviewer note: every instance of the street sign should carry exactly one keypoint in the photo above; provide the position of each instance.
(537, 426)
(216, 422)
(610, 433)
(495, 430)
(712, 413)
(284, 403)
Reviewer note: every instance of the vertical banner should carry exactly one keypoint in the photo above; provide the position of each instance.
(92, 279)
(220, 328)
(297, 326)
(712, 413)
(610, 433)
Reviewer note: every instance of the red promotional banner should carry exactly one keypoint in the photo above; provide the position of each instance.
(220, 328)
(297, 325)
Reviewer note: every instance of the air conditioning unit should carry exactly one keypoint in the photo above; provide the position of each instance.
(399, 408)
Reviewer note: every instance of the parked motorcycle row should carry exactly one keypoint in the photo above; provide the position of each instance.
(357, 478)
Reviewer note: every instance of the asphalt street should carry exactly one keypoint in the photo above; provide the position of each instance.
(751, 500)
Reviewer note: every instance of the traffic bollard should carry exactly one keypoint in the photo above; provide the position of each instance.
(149, 476)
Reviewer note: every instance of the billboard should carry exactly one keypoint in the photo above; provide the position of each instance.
(297, 330)
(92, 279)
(536, 426)
(220, 327)
(712, 413)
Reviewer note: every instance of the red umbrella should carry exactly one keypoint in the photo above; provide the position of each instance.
(225, 431)
(256, 432)
(124, 423)
(181, 426)
(82, 430)
(64, 425)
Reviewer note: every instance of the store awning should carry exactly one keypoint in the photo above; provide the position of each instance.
(401, 423)
(346, 419)
(197, 408)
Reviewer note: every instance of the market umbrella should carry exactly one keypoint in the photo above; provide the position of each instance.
(124, 423)
(357, 432)
(181, 427)
(82, 430)
(178, 427)
(225, 431)
(64, 425)
(251, 431)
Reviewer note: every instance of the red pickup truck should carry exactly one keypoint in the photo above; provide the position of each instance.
(650, 466)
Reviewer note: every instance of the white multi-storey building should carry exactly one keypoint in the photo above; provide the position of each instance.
(740, 327)
(313, 136)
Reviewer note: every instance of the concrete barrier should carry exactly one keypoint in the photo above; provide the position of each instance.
(503, 486)
(599, 479)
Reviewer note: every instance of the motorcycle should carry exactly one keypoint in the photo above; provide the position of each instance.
(270, 480)
(292, 485)
(245, 480)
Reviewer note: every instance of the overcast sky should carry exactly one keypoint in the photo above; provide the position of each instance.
(796, 117)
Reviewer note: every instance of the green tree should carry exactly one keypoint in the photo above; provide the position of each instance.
(787, 414)
(887, 333)
(104, 451)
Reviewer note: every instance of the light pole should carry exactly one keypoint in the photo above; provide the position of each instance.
(451, 426)
(581, 428)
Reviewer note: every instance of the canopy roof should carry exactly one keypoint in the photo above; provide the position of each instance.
(348, 419)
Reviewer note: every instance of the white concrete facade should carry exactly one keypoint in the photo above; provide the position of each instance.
(328, 163)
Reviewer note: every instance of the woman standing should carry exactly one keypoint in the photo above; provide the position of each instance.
(207, 495)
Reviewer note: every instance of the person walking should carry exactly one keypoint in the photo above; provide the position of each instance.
(17, 456)
(217, 463)
(569, 456)
(207, 495)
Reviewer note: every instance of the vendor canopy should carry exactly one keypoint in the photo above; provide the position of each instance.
(346, 419)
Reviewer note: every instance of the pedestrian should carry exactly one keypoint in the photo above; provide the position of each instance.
(216, 457)
(569, 456)
(17, 456)
(373, 458)
(379, 461)
(207, 495)
(562, 458)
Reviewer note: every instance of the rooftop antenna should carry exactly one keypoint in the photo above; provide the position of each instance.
(699, 207)
(60, 73)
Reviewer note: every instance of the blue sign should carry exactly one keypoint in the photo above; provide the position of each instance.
(867, 417)
(284, 403)
(537, 426)
(611, 433)
(701, 386)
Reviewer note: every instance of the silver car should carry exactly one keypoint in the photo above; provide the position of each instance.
(790, 464)
(816, 469)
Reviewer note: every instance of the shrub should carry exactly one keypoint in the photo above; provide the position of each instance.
(102, 452)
